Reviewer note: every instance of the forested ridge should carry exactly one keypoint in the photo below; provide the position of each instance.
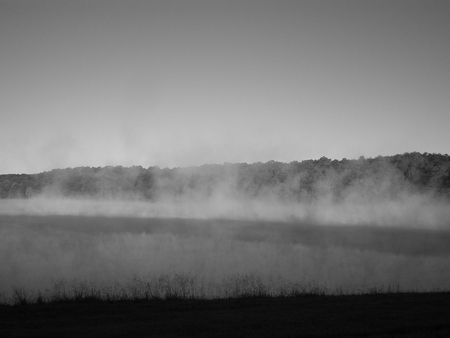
(380, 177)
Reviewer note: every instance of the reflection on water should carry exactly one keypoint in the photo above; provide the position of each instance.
(36, 250)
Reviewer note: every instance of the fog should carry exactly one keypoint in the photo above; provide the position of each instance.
(352, 244)
(357, 192)
(414, 211)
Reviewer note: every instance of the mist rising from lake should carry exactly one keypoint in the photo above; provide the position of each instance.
(42, 241)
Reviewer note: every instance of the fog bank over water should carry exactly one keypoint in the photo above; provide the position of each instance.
(350, 245)
(412, 212)
(408, 190)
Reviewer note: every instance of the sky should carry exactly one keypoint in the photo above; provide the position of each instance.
(190, 82)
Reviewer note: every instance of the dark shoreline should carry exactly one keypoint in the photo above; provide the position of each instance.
(370, 315)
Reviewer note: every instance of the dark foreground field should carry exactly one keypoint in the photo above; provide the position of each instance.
(372, 315)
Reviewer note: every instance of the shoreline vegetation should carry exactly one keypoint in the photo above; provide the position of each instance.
(173, 307)
(182, 287)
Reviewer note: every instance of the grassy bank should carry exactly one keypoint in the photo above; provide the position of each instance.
(179, 305)
(187, 287)
(391, 314)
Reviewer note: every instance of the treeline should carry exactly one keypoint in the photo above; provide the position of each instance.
(380, 177)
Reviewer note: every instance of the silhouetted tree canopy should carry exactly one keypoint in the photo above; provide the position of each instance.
(303, 181)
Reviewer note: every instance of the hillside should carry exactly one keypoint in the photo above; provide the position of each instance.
(379, 178)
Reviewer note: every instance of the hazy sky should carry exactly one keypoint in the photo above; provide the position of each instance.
(179, 83)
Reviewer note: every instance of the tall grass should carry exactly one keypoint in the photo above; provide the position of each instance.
(184, 287)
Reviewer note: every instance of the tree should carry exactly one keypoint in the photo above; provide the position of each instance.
(5, 186)
(15, 191)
